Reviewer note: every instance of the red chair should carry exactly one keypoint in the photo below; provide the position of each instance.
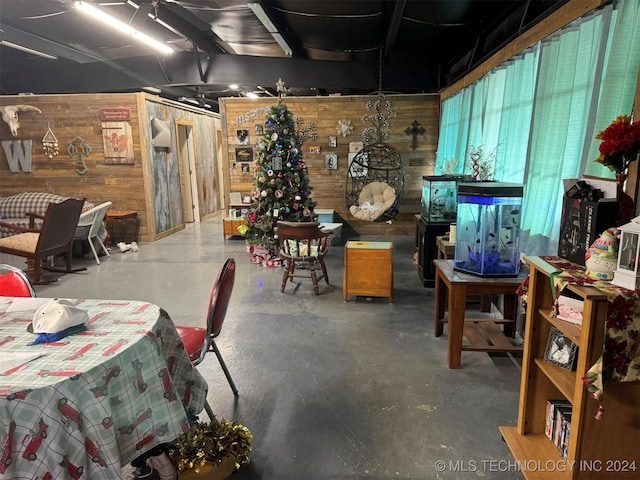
(198, 341)
(14, 282)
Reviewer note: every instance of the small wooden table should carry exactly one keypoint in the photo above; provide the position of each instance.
(452, 289)
(368, 269)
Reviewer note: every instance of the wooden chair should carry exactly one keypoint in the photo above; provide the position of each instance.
(198, 341)
(14, 282)
(89, 226)
(54, 237)
(303, 246)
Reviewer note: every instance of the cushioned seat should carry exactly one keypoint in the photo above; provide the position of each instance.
(374, 200)
(14, 209)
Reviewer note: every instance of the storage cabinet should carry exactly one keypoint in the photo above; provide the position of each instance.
(230, 226)
(598, 449)
(427, 248)
(368, 270)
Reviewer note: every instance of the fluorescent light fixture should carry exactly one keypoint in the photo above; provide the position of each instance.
(252, 95)
(113, 22)
(259, 12)
(27, 50)
(234, 86)
(153, 90)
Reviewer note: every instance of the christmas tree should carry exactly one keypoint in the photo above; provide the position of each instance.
(282, 182)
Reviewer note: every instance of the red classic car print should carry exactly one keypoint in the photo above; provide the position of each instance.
(102, 390)
(148, 438)
(21, 395)
(81, 351)
(129, 322)
(69, 414)
(33, 440)
(127, 429)
(114, 348)
(12, 370)
(171, 364)
(147, 333)
(187, 392)
(184, 426)
(6, 460)
(94, 452)
(64, 343)
(72, 374)
(97, 317)
(139, 381)
(107, 422)
(6, 340)
(74, 472)
(141, 308)
(166, 385)
(161, 430)
(47, 476)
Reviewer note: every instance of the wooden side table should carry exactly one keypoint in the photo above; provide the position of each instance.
(230, 226)
(123, 226)
(452, 289)
(368, 270)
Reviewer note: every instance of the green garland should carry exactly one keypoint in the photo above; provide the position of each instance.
(209, 443)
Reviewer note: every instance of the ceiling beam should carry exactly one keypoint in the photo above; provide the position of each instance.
(181, 70)
(40, 44)
(393, 26)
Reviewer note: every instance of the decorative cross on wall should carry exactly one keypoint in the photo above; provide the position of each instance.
(415, 129)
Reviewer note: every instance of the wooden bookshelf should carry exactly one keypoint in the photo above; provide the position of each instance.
(598, 449)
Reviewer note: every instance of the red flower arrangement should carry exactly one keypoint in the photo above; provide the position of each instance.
(620, 144)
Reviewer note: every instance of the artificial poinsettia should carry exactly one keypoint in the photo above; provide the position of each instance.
(620, 144)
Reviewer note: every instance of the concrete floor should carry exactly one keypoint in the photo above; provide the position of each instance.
(330, 390)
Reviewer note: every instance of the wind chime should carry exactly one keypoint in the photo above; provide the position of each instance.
(50, 144)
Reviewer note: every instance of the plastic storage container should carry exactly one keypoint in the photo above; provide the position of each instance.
(439, 197)
(488, 229)
(325, 215)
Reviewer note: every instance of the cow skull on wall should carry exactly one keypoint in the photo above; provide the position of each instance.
(10, 115)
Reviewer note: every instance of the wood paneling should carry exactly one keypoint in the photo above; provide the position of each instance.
(133, 186)
(329, 185)
(69, 116)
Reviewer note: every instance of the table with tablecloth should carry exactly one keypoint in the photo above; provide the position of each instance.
(620, 359)
(88, 404)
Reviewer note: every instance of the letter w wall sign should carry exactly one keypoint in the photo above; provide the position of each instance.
(18, 154)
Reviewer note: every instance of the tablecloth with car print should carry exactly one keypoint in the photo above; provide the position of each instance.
(87, 405)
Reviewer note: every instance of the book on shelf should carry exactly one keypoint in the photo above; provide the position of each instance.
(558, 424)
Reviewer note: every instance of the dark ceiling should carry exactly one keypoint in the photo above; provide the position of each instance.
(336, 46)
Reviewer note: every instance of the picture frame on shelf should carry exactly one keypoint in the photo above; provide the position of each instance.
(315, 149)
(560, 351)
(235, 198)
(333, 141)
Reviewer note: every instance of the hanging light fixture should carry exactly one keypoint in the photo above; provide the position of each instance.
(113, 22)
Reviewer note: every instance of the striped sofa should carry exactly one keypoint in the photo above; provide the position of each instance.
(14, 208)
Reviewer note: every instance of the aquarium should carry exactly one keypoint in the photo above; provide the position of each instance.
(439, 197)
(488, 229)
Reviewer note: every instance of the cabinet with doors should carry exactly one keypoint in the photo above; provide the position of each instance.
(597, 449)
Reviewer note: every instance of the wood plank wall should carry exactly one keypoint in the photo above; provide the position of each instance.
(128, 186)
(69, 116)
(329, 185)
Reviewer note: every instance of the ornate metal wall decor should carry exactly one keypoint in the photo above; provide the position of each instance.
(79, 149)
(415, 129)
